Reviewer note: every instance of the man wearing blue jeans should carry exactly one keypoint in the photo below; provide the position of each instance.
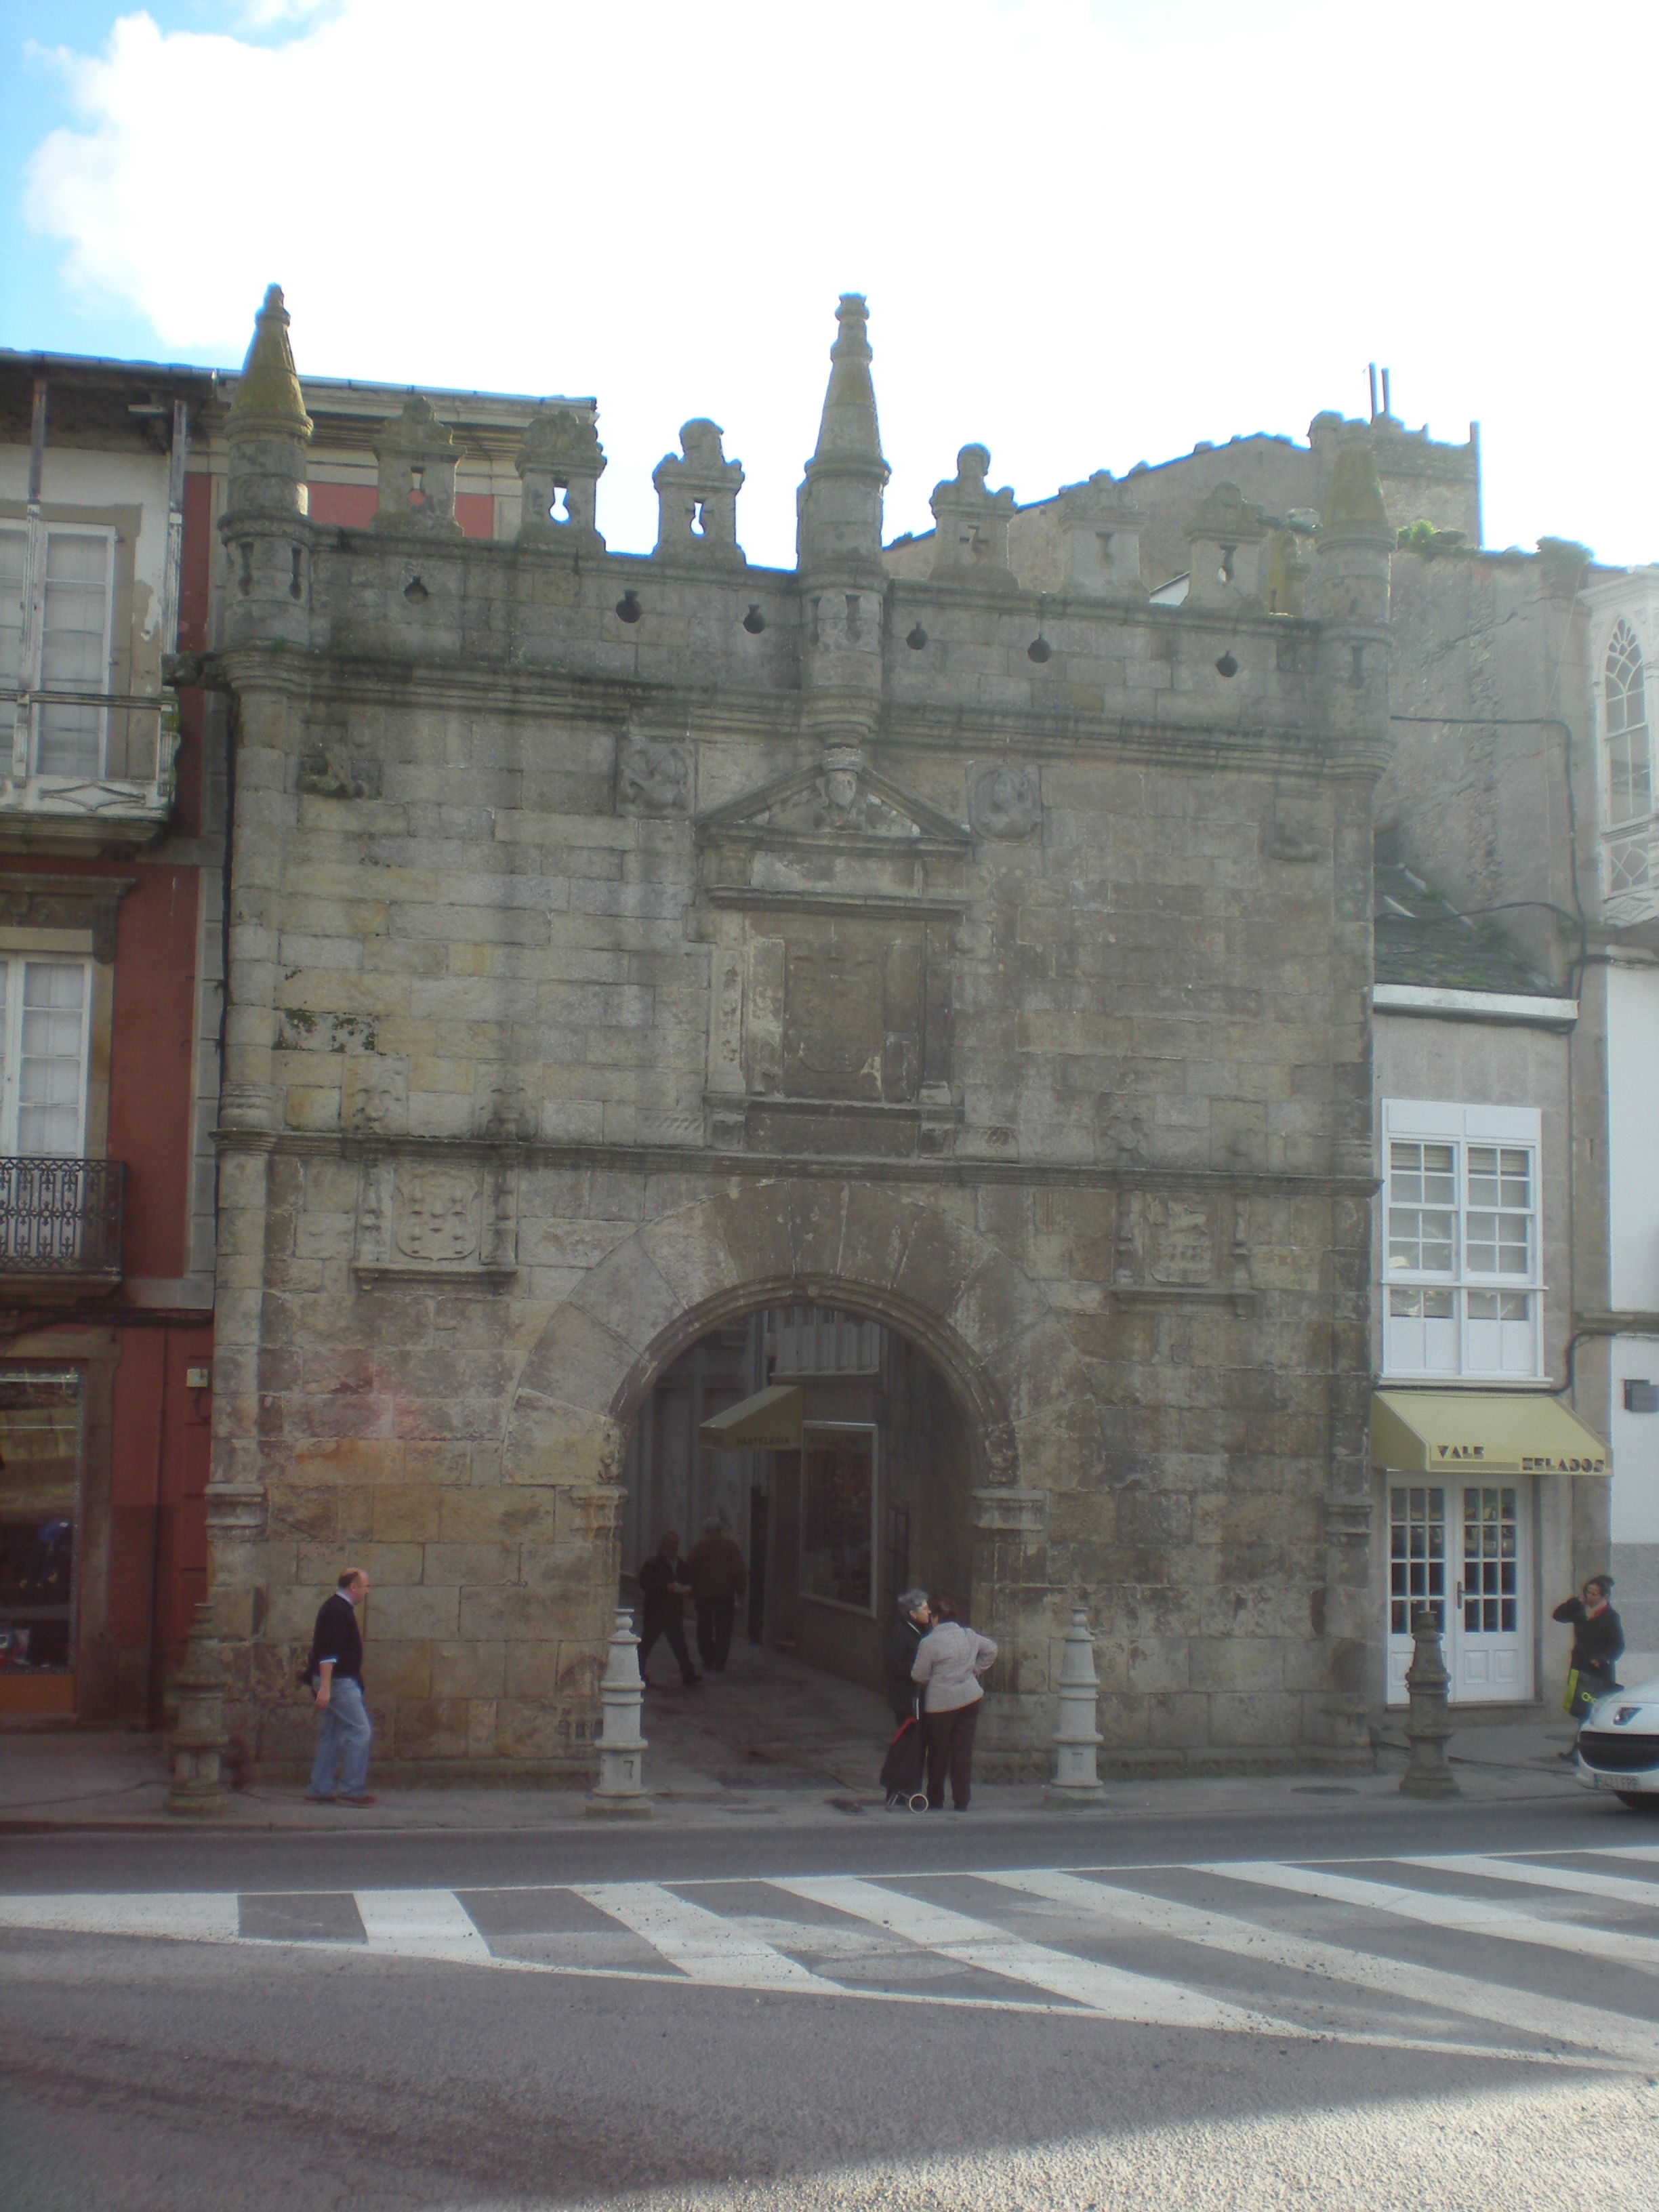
(336, 1671)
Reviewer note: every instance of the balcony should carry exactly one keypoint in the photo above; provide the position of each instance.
(60, 1225)
(88, 767)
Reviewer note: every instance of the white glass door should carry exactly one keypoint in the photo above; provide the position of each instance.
(1461, 1550)
(1491, 1666)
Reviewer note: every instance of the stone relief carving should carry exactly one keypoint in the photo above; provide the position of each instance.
(1179, 1239)
(1004, 799)
(328, 774)
(653, 777)
(1121, 1130)
(374, 1095)
(1181, 1245)
(507, 1114)
(841, 800)
(451, 1221)
(436, 1216)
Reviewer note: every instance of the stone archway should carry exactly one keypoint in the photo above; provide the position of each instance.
(1015, 1373)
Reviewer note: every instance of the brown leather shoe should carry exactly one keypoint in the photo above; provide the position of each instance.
(356, 1801)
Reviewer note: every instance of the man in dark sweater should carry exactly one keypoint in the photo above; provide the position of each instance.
(719, 1578)
(662, 1583)
(336, 1669)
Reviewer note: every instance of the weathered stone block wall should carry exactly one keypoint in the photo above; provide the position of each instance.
(621, 945)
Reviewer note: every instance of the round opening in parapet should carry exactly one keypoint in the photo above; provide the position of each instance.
(417, 592)
(754, 622)
(917, 639)
(629, 609)
(1039, 650)
(1226, 665)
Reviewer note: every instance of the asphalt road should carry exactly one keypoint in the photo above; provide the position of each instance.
(1292, 2009)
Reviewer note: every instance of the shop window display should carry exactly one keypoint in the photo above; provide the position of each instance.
(838, 1515)
(40, 1500)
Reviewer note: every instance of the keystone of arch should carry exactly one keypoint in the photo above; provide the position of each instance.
(1014, 1371)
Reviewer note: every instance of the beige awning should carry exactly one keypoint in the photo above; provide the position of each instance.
(769, 1421)
(1481, 1432)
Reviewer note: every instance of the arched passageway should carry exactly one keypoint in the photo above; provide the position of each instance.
(876, 1498)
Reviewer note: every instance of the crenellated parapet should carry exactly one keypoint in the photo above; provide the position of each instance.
(1255, 650)
(697, 499)
(416, 455)
(560, 463)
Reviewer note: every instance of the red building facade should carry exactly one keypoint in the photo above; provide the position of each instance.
(110, 928)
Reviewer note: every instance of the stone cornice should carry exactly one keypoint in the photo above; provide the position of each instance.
(516, 690)
(30, 900)
(687, 1162)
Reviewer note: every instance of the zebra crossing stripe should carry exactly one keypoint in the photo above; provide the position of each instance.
(196, 1916)
(420, 1924)
(1468, 1916)
(703, 1946)
(1581, 1884)
(1611, 2033)
(1112, 1991)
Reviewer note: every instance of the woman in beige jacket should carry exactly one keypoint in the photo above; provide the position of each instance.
(950, 1660)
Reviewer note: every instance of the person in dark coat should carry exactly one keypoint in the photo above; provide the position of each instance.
(662, 1583)
(906, 1632)
(335, 1669)
(718, 1579)
(1598, 1643)
(903, 1638)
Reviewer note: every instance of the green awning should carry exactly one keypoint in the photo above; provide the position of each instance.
(1481, 1432)
(769, 1421)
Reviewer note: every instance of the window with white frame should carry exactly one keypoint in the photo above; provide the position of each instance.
(1463, 1290)
(44, 1008)
(56, 599)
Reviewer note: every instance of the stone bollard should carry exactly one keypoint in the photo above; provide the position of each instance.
(620, 1791)
(198, 1736)
(1077, 1740)
(1427, 1725)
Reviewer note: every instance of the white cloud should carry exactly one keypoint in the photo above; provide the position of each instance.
(1079, 249)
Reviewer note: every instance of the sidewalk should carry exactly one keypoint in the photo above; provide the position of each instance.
(772, 1739)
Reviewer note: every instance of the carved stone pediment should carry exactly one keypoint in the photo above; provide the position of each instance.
(841, 824)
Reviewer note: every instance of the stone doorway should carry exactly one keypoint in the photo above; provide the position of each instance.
(876, 1498)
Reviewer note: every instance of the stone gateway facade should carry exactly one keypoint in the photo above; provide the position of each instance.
(623, 948)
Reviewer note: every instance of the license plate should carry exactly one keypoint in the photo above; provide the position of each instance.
(1615, 1782)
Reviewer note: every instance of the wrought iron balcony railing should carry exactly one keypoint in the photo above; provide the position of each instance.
(61, 1216)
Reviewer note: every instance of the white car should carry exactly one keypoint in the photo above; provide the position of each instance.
(1618, 1746)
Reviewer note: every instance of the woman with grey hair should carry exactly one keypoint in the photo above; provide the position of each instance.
(903, 1641)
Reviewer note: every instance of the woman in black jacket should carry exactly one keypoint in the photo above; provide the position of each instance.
(914, 1620)
(1598, 1641)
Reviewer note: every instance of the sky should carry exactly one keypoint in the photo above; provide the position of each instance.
(1092, 232)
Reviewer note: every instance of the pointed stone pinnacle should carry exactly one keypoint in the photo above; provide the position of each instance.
(841, 499)
(1354, 502)
(268, 401)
